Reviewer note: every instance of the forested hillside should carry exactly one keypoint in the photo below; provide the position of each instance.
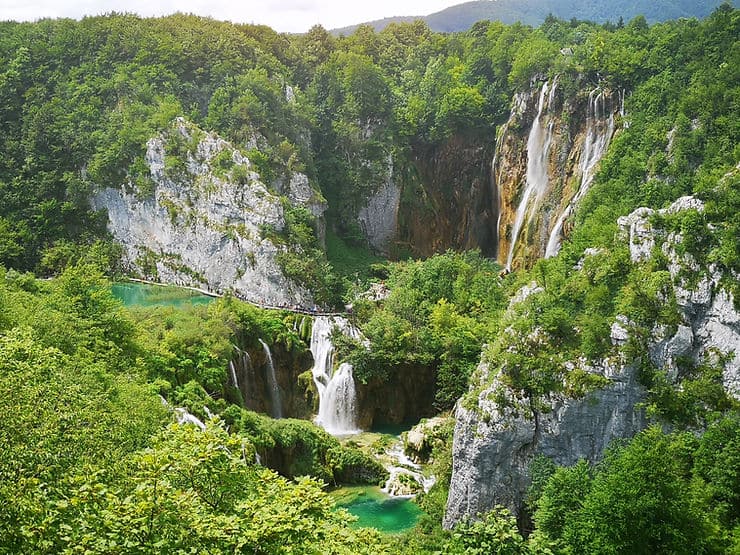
(463, 16)
(413, 181)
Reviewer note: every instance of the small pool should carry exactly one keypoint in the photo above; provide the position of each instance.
(375, 509)
(144, 294)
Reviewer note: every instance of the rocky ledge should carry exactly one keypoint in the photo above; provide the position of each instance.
(208, 221)
(494, 444)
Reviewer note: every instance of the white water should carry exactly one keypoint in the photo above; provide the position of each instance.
(234, 379)
(276, 406)
(404, 465)
(337, 393)
(239, 369)
(184, 417)
(599, 131)
(538, 148)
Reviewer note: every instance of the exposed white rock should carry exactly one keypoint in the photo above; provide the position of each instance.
(525, 292)
(620, 330)
(419, 440)
(378, 219)
(638, 229)
(204, 227)
(494, 445)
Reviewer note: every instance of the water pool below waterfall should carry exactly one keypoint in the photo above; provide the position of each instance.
(375, 509)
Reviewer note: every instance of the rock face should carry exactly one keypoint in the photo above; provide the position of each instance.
(378, 219)
(248, 373)
(546, 156)
(710, 323)
(494, 444)
(208, 221)
(493, 447)
(407, 397)
(447, 200)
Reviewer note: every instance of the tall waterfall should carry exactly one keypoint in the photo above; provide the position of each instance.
(337, 394)
(276, 406)
(538, 148)
(232, 375)
(599, 131)
(239, 368)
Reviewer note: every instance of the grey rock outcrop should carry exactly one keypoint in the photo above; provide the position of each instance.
(495, 443)
(378, 218)
(494, 446)
(205, 225)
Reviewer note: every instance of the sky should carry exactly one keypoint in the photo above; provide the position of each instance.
(295, 16)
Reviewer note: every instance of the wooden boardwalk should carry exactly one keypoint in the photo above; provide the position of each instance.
(288, 308)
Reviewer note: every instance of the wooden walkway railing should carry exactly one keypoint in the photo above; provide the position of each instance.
(289, 308)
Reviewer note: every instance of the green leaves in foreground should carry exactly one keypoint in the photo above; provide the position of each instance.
(194, 492)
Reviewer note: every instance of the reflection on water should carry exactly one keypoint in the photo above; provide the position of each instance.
(143, 294)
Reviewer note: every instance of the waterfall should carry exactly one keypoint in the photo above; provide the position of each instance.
(401, 465)
(239, 369)
(275, 403)
(184, 417)
(338, 406)
(599, 131)
(232, 374)
(337, 394)
(538, 148)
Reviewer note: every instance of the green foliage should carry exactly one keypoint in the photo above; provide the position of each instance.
(654, 494)
(196, 491)
(298, 448)
(496, 533)
(436, 315)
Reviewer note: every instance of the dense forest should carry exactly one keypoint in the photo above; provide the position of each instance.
(92, 461)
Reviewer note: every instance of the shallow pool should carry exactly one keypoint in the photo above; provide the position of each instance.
(144, 294)
(375, 509)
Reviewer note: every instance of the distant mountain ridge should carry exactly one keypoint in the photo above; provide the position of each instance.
(533, 12)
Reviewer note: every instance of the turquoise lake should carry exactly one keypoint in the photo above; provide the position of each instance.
(375, 509)
(144, 294)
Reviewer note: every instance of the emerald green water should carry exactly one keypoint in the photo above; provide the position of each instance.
(143, 294)
(391, 429)
(375, 509)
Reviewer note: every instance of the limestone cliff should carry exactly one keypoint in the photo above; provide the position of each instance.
(447, 200)
(498, 432)
(545, 160)
(208, 220)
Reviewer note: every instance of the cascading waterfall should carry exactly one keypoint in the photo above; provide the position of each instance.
(402, 465)
(538, 148)
(239, 369)
(184, 417)
(337, 393)
(276, 405)
(232, 374)
(599, 131)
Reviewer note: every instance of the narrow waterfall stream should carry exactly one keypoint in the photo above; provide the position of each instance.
(232, 375)
(337, 393)
(538, 148)
(599, 131)
(276, 406)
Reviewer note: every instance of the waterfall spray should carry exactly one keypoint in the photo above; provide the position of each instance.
(538, 148)
(337, 393)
